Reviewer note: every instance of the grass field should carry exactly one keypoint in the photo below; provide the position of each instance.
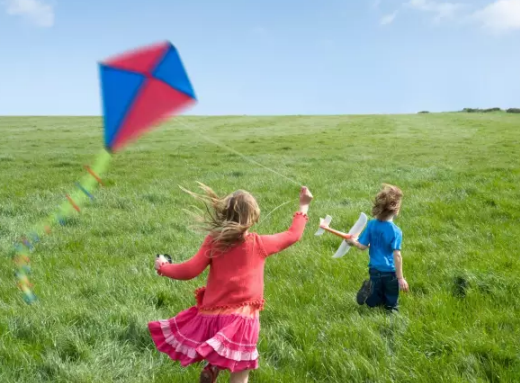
(97, 288)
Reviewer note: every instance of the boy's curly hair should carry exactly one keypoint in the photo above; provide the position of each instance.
(387, 202)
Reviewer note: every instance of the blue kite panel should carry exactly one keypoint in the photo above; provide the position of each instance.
(119, 89)
(172, 72)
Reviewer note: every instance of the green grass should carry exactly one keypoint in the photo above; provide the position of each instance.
(97, 288)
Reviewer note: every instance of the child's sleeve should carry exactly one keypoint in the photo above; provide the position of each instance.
(398, 238)
(191, 268)
(364, 238)
(275, 243)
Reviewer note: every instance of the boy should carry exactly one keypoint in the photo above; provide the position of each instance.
(383, 239)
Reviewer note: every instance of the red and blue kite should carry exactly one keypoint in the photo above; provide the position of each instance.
(139, 89)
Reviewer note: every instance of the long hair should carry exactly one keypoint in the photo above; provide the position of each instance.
(387, 202)
(228, 218)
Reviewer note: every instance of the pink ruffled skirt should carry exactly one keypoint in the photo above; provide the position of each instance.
(226, 339)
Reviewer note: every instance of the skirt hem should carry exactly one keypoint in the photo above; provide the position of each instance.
(225, 341)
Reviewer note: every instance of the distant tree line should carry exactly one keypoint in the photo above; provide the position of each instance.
(478, 110)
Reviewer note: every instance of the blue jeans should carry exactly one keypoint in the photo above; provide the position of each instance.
(385, 290)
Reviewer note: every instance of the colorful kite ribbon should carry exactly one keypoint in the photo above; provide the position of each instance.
(73, 203)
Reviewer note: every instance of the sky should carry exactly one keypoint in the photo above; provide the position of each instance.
(269, 57)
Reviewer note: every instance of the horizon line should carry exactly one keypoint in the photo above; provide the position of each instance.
(239, 115)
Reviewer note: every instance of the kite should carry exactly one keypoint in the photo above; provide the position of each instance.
(353, 233)
(139, 89)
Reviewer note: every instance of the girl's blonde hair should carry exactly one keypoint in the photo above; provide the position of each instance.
(387, 202)
(228, 218)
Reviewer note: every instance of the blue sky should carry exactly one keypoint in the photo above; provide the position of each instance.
(270, 56)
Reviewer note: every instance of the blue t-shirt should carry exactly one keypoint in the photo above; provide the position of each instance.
(383, 237)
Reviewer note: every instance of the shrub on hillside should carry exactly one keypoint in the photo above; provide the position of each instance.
(513, 110)
(423, 112)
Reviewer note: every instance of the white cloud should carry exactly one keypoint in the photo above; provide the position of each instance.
(37, 12)
(441, 10)
(376, 4)
(500, 16)
(389, 18)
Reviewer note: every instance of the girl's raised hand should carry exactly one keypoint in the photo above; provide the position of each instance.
(305, 196)
(305, 199)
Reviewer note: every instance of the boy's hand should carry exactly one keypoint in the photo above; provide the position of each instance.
(305, 196)
(351, 241)
(403, 285)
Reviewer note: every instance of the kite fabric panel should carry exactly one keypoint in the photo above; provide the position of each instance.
(141, 89)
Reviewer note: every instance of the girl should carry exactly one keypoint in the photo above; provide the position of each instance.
(223, 327)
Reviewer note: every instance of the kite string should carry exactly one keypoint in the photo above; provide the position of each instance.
(272, 211)
(237, 153)
(248, 159)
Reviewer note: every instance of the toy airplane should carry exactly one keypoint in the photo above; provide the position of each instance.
(354, 232)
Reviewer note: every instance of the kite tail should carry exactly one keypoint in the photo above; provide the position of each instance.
(72, 205)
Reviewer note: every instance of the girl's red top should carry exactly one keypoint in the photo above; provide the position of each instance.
(236, 277)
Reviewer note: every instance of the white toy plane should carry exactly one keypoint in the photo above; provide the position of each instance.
(354, 232)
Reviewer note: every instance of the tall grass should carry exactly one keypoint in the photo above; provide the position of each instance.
(97, 288)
